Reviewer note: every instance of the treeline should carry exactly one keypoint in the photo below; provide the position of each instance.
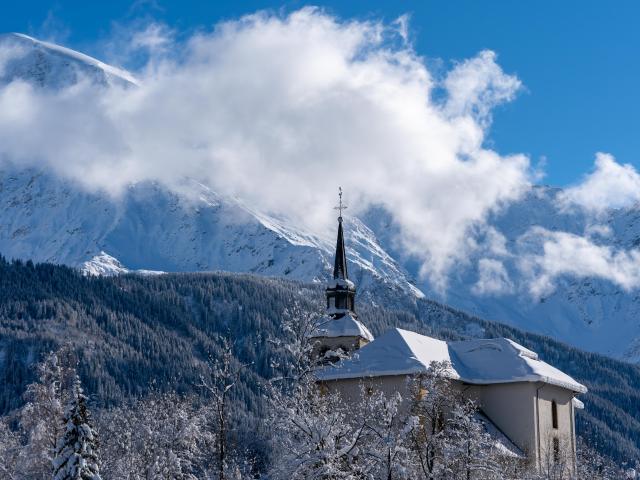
(134, 335)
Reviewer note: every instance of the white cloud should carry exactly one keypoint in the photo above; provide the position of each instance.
(565, 254)
(279, 111)
(8, 52)
(598, 230)
(493, 278)
(477, 85)
(610, 185)
(154, 37)
(402, 23)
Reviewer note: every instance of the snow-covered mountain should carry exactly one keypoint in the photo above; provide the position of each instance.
(151, 229)
(48, 65)
(591, 313)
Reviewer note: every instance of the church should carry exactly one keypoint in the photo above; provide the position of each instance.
(529, 405)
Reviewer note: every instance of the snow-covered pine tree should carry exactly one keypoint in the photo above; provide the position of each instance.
(40, 418)
(77, 450)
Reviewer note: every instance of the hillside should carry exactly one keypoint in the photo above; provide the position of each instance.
(134, 333)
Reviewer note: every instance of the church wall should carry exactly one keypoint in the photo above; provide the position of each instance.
(511, 407)
(565, 431)
(351, 388)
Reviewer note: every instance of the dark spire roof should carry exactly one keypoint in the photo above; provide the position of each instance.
(340, 265)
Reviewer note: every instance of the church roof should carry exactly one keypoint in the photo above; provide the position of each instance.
(345, 326)
(478, 361)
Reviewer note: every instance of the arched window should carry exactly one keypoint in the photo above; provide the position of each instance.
(554, 414)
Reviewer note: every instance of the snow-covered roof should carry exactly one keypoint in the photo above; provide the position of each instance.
(345, 326)
(480, 362)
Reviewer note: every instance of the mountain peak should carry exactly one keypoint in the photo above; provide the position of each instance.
(53, 66)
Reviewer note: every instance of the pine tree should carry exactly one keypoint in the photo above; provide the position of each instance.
(40, 418)
(76, 453)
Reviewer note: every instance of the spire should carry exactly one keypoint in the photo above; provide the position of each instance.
(340, 265)
(342, 331)
(341, 291)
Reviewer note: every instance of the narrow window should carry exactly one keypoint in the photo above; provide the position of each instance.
(554, 414)
(556, 450)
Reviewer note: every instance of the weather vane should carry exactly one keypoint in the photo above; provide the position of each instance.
(340, 206)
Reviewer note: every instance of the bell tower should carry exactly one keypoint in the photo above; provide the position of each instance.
(341, 332)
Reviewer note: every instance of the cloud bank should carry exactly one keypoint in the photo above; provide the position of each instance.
(566, 254)
(610, 185)
(546, 256)
(280, 111)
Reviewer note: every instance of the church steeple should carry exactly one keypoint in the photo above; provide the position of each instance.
(341, 331)
(341, 292)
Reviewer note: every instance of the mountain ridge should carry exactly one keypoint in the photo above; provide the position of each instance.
(49, 65)
(193, 228)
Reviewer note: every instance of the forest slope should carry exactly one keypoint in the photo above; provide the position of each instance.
(135, 333)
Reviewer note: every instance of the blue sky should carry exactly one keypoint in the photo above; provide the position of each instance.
(579, 61)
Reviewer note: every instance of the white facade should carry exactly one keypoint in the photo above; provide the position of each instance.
(513, 388)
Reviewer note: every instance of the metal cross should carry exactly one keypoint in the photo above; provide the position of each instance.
(340, 206)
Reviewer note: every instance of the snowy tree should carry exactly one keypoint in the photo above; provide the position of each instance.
(222, 378)
(294, 346)
(432, 397)
(314, 435)
(384, 441)
(163, 436)
(469, 451)
(76, 451)
(447, 438)
(593, 465)
(41, 417)
(10, 451)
